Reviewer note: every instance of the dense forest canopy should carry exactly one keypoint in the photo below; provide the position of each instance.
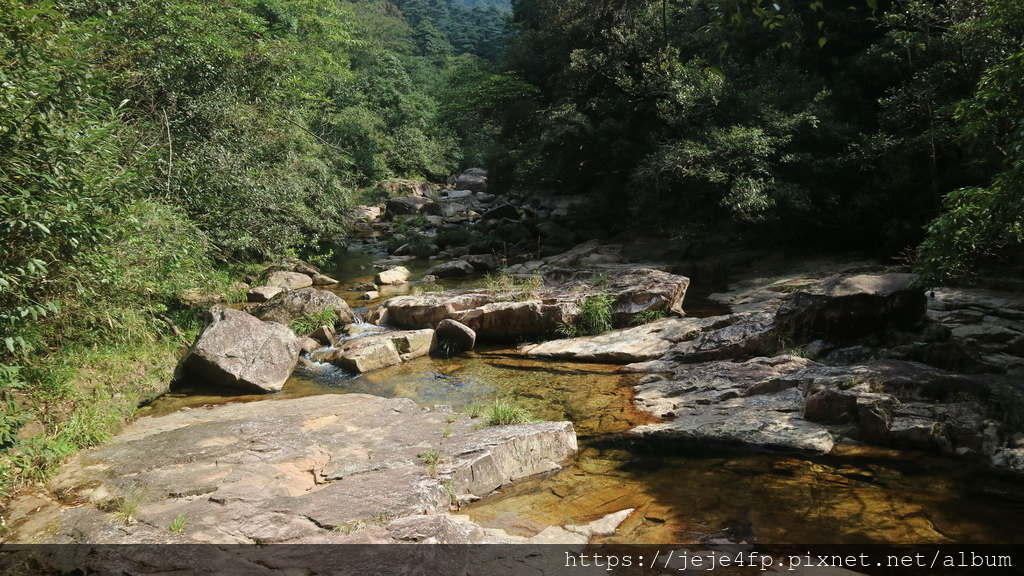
(145, 145)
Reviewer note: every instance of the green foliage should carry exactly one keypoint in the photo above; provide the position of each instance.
(310, 322)
(984, 226)
(648, 316)
(595, 317)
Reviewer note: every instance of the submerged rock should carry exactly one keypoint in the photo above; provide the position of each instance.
(240, 351)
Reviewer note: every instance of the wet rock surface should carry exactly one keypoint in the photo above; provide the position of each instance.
(319, 469)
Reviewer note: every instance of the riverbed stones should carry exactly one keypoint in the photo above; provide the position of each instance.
(308, 470)
(239, 351)
(509, 316)
(289, 280)
(291, 305)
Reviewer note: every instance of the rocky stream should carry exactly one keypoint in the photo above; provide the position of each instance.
(780, 399)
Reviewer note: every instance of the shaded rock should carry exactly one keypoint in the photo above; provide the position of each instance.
(831, 407)
(374, 352)
(852, 307)
(289, 280)
(555, 234)
(239, 351)
(482, 262)
(405, 205)
(294, 304)
(462, 337)
(452, 268)
(503, 211)
(391, 276)
(474, 180)
(262, 293)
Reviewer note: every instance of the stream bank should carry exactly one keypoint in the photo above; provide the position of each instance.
(679, 416)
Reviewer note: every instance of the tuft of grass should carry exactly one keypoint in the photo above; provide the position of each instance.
(310, 322)
(431, 458)
(648, 316)
(446, 431)
(178, 524)
(125, 508)
(511, 287)
(504, 411)
(595, 317)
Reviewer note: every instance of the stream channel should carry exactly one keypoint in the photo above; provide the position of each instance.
(682, 494)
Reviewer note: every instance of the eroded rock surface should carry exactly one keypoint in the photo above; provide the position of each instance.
(336, 468)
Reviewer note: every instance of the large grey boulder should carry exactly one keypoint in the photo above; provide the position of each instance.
(473, 179)
(289, 280)
(240, 351)
(460, 337)
(294, 304)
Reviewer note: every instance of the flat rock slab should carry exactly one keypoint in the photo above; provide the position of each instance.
(637, 344)
(309, 470)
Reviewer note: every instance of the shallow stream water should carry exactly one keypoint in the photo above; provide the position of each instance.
(681, 493)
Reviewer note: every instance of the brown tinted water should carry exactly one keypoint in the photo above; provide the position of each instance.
(681, 494)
